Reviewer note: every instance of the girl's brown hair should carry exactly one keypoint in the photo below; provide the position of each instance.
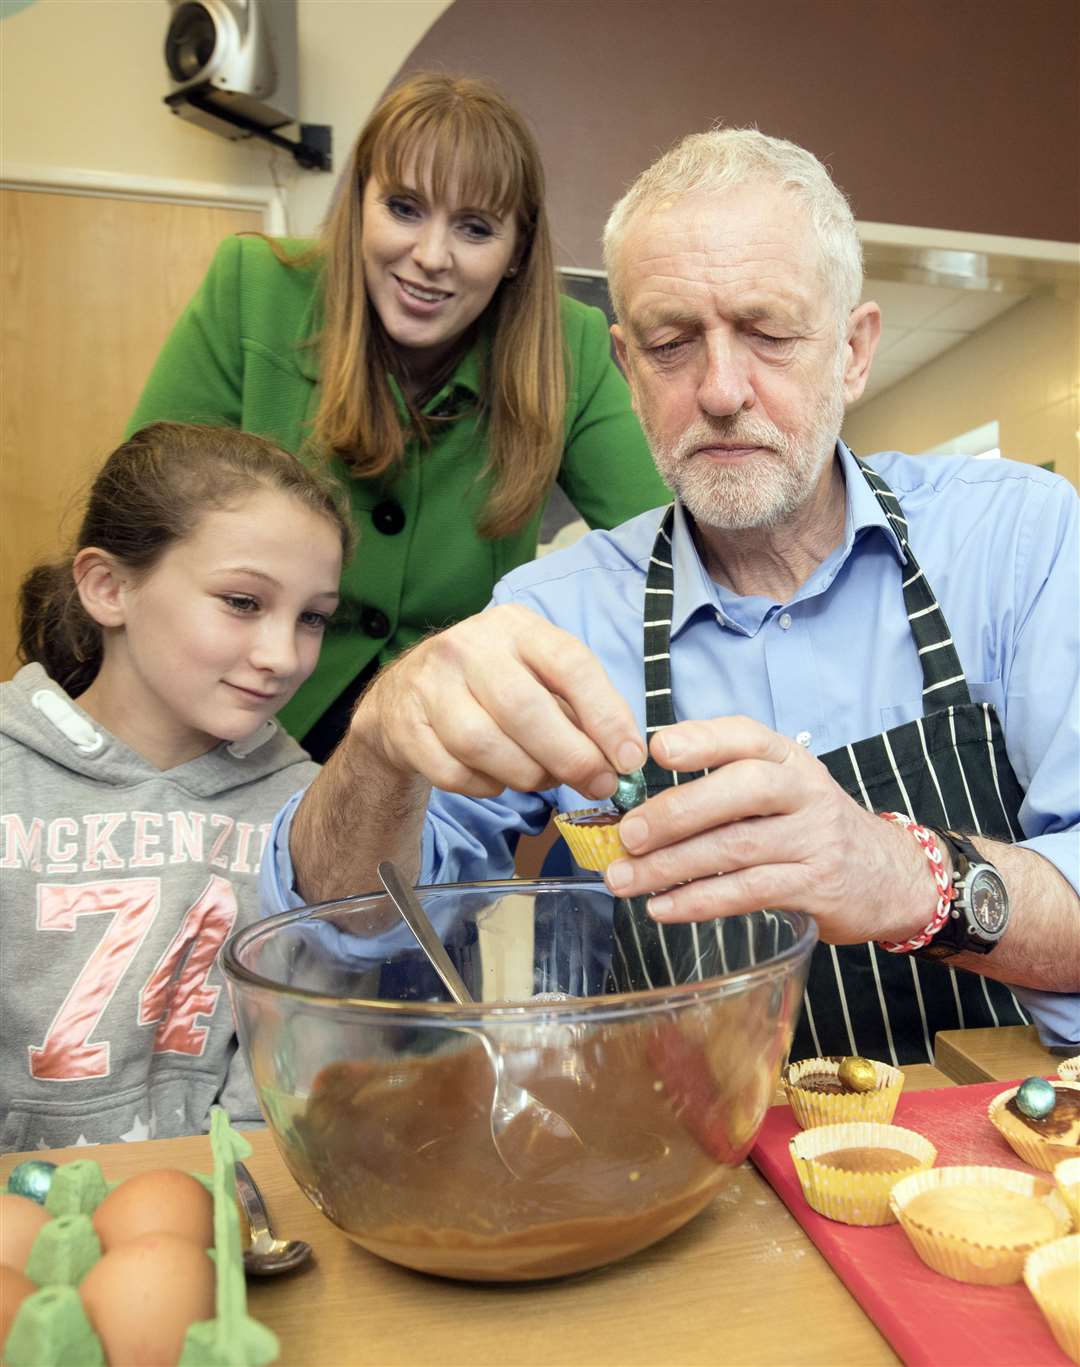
(459, 128)
(150, 494)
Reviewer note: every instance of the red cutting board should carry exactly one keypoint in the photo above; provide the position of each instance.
(928, 1319)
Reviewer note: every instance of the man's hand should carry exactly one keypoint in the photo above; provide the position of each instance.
(501, 700)
(768, 827)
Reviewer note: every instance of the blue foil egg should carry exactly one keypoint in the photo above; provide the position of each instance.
(32, 1178)
(1035, 1097)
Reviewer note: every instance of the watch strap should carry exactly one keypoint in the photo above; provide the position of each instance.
(959, 933)
(963, 852)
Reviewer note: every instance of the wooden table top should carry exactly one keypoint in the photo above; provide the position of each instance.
(740, 1284)
(986, 1055)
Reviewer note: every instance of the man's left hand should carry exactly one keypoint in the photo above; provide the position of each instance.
(768, 826)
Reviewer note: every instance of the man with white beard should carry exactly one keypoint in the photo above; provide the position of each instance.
(797, 672)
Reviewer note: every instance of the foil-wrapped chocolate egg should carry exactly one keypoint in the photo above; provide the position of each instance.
(631, 791)
(32, 1178)
(1035, 1098)
(858, 1074)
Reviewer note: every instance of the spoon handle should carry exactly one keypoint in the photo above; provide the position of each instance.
(417, 920)
(253, 1203)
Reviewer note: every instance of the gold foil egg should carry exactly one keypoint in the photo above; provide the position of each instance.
(858, 1074)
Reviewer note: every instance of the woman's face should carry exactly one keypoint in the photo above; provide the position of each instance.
(431, 268)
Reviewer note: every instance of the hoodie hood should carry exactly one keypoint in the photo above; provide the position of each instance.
(39, 716)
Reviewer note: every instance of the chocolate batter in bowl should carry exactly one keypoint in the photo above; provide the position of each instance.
(378, 1090)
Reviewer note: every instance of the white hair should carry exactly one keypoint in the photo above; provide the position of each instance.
(724, 158)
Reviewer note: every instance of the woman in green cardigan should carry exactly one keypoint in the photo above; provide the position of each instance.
(422, 349)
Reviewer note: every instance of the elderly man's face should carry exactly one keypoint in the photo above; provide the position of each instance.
(732, 345)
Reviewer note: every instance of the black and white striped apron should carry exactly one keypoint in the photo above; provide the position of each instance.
(949, 768)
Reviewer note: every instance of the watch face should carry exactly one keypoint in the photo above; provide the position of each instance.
(988, 901)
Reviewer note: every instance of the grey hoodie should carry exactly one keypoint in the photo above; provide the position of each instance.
(119, 883)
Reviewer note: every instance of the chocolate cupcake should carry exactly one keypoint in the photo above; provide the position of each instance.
(820, 1095)
(593, 836)
(1043, 1141)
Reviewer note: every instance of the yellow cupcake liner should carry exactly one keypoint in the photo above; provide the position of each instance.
(593, 847)
(839, 1108)
(1069, 1069)
(1067, 1180)
(1025, 1143)
(854, 1198)
(1062, 1313)
(967, 1259)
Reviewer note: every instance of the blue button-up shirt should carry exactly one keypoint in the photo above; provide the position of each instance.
(998, 541)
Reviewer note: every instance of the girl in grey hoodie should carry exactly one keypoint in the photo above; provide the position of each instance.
(141, 767)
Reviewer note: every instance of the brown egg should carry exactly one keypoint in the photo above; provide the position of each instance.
(14, 1289)
(141, 1298)
(162, 1201)
(20, 1220)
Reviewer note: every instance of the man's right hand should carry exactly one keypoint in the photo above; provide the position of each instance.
(501, 700)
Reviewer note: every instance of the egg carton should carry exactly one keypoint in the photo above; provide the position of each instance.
(51, 1328)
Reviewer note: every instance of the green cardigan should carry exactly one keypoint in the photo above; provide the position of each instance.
(237, 357)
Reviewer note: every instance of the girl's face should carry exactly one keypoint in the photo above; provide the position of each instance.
(222, 632)
(431, 268)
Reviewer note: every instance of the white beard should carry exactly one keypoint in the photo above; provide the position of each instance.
(765, 492)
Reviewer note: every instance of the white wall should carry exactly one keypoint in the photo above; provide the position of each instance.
(349, 50)
(83, 81)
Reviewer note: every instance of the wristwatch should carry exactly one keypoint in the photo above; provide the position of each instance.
(979, 914)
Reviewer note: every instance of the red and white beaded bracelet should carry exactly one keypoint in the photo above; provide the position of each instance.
(946, 891)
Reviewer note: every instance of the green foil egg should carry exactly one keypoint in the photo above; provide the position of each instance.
(1035, 1098)
(631, 791)
(32, 1178)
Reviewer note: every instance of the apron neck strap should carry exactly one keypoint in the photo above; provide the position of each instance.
(944, 684)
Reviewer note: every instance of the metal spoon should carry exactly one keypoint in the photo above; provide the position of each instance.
(265, 1256)
(542, 1136)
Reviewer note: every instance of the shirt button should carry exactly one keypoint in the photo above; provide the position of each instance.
(388, 517)
(374, 623)
(784, 620)
(804, 738)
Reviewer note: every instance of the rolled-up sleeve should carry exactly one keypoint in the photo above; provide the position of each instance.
(464, 840)
(1056, 1016)
(277, 885)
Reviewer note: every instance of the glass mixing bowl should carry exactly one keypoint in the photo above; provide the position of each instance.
(656, 1051)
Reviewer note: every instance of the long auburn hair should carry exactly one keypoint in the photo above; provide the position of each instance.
(464, 129)
(150, 494)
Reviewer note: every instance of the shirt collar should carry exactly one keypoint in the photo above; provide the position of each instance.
(695, 591)
(461, 390)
